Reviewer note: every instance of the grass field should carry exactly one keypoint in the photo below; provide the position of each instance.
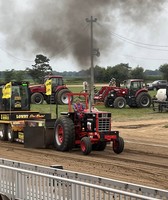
(117, 114)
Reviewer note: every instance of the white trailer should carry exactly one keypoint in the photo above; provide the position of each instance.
(160, 102)
(26, 181)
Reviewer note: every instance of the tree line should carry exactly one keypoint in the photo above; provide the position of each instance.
(120, 72)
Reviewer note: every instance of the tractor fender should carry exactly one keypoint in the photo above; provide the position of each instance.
(140, 91)
(58, 88)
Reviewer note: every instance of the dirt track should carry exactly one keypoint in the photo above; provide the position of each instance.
(144, 160)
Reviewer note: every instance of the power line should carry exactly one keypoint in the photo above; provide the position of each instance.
(144, 58)
(135, 43)
(11, 55)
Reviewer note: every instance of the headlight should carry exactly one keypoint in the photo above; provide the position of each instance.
(89, 126)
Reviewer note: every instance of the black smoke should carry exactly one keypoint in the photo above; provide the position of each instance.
(58, 27)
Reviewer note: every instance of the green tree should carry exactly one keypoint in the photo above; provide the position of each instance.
(108, 74)
(99, 74)
(20, 75)
(9, 75)
(164, 70)
(137, 72)
(120, 72)
(40, 68)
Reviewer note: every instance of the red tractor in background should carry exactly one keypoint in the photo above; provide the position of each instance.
(91, 130)
(59, 91)
(134, 94)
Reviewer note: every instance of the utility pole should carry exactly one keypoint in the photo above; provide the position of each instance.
(91, 20)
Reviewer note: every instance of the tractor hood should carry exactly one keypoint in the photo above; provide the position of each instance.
(37, 88)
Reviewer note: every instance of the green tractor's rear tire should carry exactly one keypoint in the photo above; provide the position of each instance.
(118, 145)
(86, 145)
(64, 134)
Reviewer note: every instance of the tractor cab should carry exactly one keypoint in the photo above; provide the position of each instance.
(56, 80)
(133, 85)
(14, 96)
(136, 87)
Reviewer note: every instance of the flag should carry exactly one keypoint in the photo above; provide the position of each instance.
(48, 87)
(6, 91)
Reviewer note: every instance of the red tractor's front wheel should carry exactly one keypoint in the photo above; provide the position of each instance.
(86, 145)
(118, 145)
(119, 102)
(37, 98)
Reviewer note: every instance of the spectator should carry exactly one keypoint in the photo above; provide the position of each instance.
(85, 86)
(112, 82)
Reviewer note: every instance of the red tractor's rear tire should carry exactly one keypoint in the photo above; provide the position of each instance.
(118, 145)
(62, 97)
(64, 134)
(37, 98)
(119, 102)
(86, 145)
(143, 100)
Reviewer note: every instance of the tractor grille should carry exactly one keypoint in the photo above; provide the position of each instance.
(104, 122)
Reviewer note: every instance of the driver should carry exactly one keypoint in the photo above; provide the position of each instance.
(78, 106)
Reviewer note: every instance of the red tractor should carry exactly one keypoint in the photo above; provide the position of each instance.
(90, 129)
(101, 94)
(134, 94)
(59, 91)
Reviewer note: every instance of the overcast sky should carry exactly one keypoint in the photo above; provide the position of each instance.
(126, 31)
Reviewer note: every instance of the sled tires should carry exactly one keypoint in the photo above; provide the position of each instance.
(12, 135)
(3, 132)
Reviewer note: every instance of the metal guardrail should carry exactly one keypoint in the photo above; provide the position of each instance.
(27, 181)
